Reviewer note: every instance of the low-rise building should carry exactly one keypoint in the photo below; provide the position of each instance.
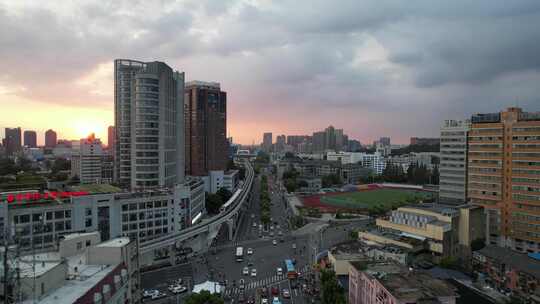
(507, 269)
(341, 256)
(81, 270)
(216, 180)
(445, 231)
(41, 218)
(389, 283)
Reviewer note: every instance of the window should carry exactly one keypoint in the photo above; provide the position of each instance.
(79, 245)
(68, 213)
(88, 211)
(36, 217)
(88, 222)
(59, 214)
(59, 226)
(25, 218)
(88, 243)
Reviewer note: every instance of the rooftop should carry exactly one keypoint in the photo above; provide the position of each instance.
(97, 188)
(396, 237)
(74, 289)
(436, 208)
(405, 285)
(413, 287)
(118, 242)
(518, 261)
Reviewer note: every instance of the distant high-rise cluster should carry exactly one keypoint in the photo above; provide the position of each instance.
(12, 140)
(50, 139)
(330, 139)
(30, 139)
(267, 141)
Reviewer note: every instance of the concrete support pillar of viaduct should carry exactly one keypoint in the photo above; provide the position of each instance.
(230, 224)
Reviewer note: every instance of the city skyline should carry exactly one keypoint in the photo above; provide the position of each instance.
(370, 65)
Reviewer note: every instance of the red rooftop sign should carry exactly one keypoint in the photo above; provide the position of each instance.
(38, 196)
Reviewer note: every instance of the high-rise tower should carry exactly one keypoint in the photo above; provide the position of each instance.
(149, 124)
(205, 127)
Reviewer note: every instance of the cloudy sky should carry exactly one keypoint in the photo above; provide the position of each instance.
(374, 68)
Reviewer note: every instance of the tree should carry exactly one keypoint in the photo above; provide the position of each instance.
(213, 203)
(262, 157)
(224, 194)
(204, 297)
(330, 180)
(7, 166)
(302, 184)
(478, 244)
(435, 175)
(292, 174)
(290, 184)
(449, 262)
(60, 164)
(332, 293)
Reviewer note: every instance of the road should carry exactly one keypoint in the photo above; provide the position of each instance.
(220, 265)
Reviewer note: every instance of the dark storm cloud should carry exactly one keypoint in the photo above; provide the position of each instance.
(442, 58)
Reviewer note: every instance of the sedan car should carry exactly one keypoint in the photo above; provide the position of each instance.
(149, 293)
(179, 289)
(275, 291)
(253, 272)
(274, 242)
(245, 271)
(276, 301)
(250, 251)
(158, 295)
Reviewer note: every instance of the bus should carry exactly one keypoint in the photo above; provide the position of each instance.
(291, 272)
(239, 254)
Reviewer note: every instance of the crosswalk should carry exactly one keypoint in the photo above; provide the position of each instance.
(266, 282)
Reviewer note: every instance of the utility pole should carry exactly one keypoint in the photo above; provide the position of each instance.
(6, 271)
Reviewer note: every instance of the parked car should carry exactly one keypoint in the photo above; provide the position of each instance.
(245, 271)
(253, 272)
(250, 251)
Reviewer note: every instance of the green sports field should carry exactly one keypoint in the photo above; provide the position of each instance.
(375, 199)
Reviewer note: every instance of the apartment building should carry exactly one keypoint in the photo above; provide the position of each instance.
(453, 162)
(504, 176)
(87, 160)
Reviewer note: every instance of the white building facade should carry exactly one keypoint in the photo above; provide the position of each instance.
(453, 162)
